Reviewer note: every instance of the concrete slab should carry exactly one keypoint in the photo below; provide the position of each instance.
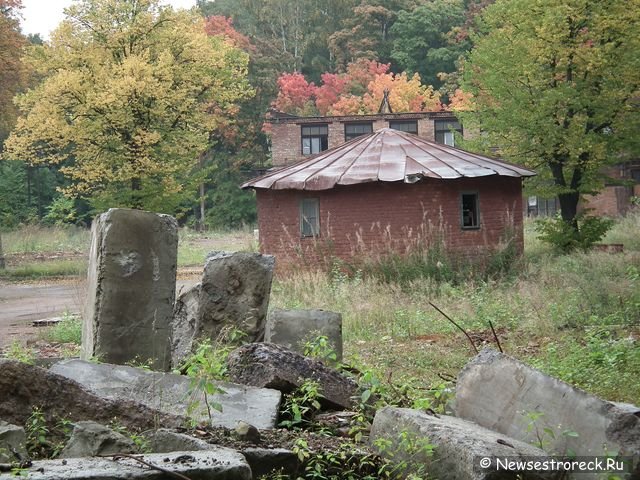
(497, 392)
(458, 446)
(173, 394)
(215, 464)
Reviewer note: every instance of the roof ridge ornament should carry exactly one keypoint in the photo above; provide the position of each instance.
(385, 106)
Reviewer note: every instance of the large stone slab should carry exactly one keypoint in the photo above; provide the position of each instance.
(216, 464)
(274, 366)
(130, 287)
(458, 445)
(173, 394)
(23, 387)
(234, 293)
(293, 328)
(497, 391)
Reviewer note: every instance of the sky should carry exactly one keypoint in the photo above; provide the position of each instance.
(43, 16)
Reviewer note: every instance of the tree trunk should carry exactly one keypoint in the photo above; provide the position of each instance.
(202, 208)
(569, 208)
(2, 264)
(136, 186)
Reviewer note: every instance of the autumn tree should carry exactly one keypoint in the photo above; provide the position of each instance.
(359, 91)
(555, 86)
(12, 72)
(131, 94)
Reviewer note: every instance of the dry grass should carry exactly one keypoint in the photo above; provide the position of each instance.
(550, 304)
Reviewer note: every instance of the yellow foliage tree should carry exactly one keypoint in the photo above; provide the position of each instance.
(131, 93)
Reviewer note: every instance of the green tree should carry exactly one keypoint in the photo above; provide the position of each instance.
(131, 93)
(555, 86)
(424, 40)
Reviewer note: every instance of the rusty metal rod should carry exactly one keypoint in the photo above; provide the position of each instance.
(457, 326)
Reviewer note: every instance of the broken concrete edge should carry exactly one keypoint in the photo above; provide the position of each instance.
(218, 463)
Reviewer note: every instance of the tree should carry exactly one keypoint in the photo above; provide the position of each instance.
(12, 73)
(554, 84)
(131, 94)
(366, 32)
(424, 40)
(359, 91)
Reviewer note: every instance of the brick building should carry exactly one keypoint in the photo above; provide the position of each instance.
(295, 138)
(388, 189)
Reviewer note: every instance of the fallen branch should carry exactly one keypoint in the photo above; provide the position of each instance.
(150, 465)
(495, 336)
(457, 326)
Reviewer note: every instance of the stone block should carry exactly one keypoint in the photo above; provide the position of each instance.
(90, 439)
(293, 328)
(274, 366)
(497, 391)
(130, 287)
(234, 293)
(458, 445)
(12, 437)
(173, 394)
(216, 464)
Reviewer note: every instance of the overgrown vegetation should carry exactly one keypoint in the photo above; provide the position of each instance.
(574, 315)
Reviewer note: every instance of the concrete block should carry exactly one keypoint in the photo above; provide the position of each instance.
(458, 445)
(173, 394)
(234, 293)
(274, 366)
(497, 391)
(293, 328)
(131, 287)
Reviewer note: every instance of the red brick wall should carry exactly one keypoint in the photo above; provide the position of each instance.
(611, 202)
(371, 216)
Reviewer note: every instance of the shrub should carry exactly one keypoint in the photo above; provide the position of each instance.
(565, 238)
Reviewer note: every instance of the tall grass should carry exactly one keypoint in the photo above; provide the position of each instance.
(41, 239)
(543, 308)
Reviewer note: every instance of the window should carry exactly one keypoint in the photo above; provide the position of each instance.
(309, 217)
(314, 139)
(445, 130)
(409, 126)
(470, 211)
(354, 130)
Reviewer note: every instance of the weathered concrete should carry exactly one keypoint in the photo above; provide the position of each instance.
(172, 393)
(12, 437)
(234, 293)
(458, 445)
(273, 366)
(497, 391)
(131, 287)
(164, 440)
(215, 464)
(293, 328)
(90, 439)
(23, 387)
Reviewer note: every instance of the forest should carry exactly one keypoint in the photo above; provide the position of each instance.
(133, 104)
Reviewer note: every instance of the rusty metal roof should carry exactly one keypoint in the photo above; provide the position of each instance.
(384, 156)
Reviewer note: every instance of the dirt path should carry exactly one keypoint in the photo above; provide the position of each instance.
(20, 304)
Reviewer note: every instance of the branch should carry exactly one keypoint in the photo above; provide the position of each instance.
(457, 326)
(150, 465)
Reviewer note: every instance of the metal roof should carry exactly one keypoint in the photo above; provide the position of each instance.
(384, 156)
